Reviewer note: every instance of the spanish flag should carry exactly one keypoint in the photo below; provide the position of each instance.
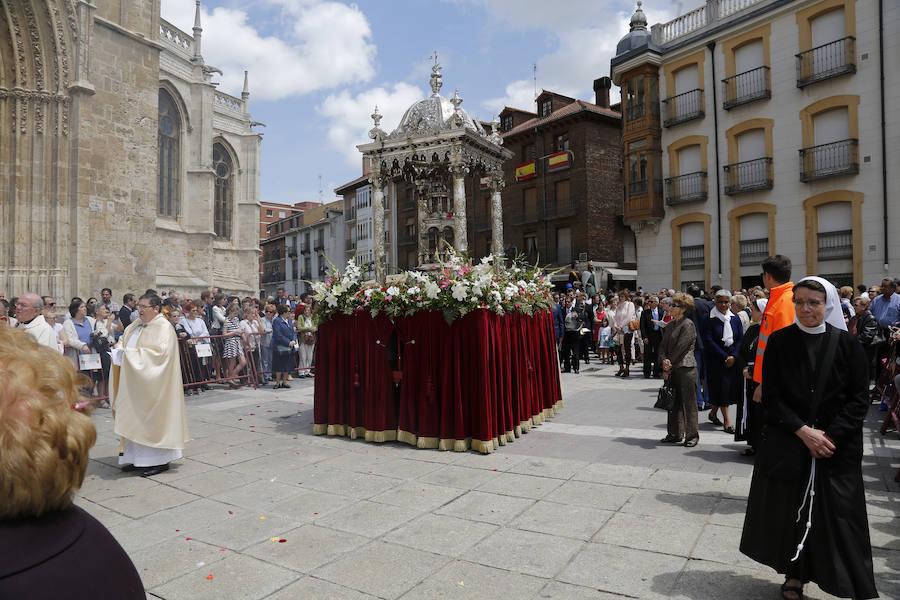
(560, 160)
(525, 171)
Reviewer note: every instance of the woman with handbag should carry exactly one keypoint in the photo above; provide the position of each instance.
(624, 324)
(806, 511)
(676, 355)
(284, 340)
(307, 328)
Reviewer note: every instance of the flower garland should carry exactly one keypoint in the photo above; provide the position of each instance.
(456, 288)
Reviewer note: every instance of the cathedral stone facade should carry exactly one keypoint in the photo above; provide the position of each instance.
(121, 165)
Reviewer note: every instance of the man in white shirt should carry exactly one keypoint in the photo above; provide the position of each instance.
(28, 312)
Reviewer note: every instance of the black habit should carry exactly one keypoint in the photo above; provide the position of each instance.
(748, 429)
(837, 555)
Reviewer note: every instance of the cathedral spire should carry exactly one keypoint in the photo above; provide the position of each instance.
(245, 93)
(198, 33)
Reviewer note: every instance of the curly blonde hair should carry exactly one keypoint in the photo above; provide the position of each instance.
(44, 443)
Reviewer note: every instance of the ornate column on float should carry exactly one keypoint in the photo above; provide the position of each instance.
(460, 236)
(497, 184)
(421, 230)
(376, 178)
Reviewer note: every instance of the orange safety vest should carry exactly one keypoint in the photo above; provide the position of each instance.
(779, 313)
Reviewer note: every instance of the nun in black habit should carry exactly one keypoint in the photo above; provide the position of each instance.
(812, 442)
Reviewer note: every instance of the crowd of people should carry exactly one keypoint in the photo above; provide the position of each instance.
(831, 351)
(221, 338)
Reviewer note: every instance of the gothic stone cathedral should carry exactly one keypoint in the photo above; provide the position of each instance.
(121, 165)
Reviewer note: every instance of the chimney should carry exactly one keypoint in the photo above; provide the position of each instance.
(601, 90)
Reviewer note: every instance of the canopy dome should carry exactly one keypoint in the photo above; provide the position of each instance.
(435, 113)
(638, 36)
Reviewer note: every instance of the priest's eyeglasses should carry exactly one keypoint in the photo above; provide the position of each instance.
(813, 303)
(143, 306)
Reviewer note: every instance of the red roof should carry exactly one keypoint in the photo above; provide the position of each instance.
(567, 110)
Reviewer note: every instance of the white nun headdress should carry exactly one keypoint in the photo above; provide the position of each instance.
(834, 314)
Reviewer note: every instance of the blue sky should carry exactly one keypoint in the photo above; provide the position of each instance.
(318, 67)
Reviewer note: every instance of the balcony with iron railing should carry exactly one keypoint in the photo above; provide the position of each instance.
(520, 216)
(826, 61)
(829, 160)
(319, 245)
(835, 245)
(748, 176)
(747, 87)
(557, 209)
(753, 252)
(683, 108)
(691, 187)
(304, 247)
(693, 257)
(406, 204)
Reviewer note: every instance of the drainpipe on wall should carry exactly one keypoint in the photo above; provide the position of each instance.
(712, 54)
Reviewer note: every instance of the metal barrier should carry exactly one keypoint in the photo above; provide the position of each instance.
(202, 363)
(265, 373)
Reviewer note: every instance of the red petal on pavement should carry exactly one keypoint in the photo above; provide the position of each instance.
(209, 576)
(282, 540)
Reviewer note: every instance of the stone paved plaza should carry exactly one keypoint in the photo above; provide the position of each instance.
(587, 506)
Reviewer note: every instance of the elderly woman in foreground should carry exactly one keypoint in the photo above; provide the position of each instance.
(676, 355)
(806, 512)
(50, 548)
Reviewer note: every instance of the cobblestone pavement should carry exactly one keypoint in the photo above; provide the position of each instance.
(587, 506)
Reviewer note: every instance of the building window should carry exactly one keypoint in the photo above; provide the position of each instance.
(528, 152)
(634, 98)
(169, 146)
(281, 214)
(506, 123)
(269, 212)
(223, 167)
(562, 142)
(546, 107)
(826, 40)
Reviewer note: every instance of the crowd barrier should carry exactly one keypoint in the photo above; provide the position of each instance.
(203, 362)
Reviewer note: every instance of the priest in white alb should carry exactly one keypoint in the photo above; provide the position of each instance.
(146, 392)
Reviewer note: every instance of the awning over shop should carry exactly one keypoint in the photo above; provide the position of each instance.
(621, 274)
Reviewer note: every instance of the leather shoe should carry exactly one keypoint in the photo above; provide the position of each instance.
(671, 439)
(151, 471)
(729, 429)
(691, 442)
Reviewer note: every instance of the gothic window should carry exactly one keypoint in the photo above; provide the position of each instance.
(169, 147)
(224, 190)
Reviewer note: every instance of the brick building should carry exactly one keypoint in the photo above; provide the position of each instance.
(563, 196)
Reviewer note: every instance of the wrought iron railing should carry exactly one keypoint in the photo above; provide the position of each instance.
(749, 175)
(828, 160)
(745, 87)
(683, 108)
(826, 61)
(690, 187)
(561, 208)
(834, 245)
(519, 216)
(693, 257)
(753, 252)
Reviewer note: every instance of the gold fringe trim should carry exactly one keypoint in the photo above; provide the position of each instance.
(407, 437)
(445, 444)
(428, 442)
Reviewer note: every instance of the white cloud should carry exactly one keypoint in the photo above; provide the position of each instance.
(350, 120)
(586, 33)
(323, 45)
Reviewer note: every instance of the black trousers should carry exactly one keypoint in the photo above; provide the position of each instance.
(651, 357)
(586, 342)
(571, 350)
(623, 350)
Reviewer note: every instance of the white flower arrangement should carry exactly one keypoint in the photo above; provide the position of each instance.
(457, 289)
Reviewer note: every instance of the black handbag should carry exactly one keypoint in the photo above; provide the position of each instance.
(783, 455)
(665, 398)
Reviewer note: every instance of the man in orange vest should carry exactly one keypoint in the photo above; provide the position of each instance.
(779, 311)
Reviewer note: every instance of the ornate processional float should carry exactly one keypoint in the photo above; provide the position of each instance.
(451, 355)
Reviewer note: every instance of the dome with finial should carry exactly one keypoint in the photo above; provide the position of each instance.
(435, 113)
(638, 35)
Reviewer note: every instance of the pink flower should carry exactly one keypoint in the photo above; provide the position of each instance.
(387, 298)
